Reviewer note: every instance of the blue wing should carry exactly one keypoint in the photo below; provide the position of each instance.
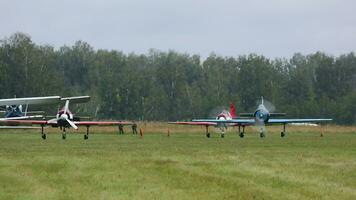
(282, 121)
(270, 121)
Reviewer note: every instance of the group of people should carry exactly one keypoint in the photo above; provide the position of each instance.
(134, 129)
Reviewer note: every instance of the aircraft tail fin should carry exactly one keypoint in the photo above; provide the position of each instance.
(232, 110)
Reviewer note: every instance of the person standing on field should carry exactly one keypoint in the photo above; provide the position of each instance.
(121, 129)
(134, 128)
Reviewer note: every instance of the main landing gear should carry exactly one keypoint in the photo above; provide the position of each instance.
(43, 135)
(86, 136)
(283, 133)
(207, 131)
(64, 134)
(242, 134)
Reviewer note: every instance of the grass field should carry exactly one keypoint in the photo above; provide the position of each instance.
(185, 165)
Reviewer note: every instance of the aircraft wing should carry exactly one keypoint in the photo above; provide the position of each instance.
(101, 123)
(195, 123)
(282, 121)
(30, 100)
(231, 121)
(78, 99)
(23, 122)
(19, 127)
(78, 123)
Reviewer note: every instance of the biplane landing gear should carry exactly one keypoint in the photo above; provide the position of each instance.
(222, 135)
(86, 136)
(64, 134)
(207, 132)
(242, 134)
(43, 135)
(283, 133)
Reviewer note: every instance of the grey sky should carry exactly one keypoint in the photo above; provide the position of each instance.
(274, 28)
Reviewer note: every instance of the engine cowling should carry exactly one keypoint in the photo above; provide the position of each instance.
(261, 116)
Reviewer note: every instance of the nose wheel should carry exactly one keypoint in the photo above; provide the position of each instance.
(64, 135)
(262, 135)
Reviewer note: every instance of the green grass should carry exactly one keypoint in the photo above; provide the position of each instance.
(183, 166)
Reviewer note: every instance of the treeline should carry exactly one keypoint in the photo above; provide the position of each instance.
(175, 86)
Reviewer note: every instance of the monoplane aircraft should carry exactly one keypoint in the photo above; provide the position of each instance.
(66, 119)
(219, 121)
(261, 117)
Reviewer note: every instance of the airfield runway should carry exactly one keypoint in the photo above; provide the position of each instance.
(185, 165)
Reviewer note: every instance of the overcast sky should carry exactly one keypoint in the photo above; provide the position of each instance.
(274, 28)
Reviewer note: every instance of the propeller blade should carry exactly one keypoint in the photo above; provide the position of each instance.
(72, 124)
(52, 121)
(66, 106)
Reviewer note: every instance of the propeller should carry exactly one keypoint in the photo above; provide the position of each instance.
(216, 111)
(64, 116)
(71, 123)
(66, 106)
(260, 127)
(262, 114)
(268, 105)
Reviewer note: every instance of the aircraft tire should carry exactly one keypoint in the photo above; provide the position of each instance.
(241, 135)
(208, 135)
(63, 136)
(222, 135)
(262, 135)
(283, 134)
(44, 136)
(86, 137)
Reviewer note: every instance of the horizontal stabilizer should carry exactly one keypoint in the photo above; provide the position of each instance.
(277, 114)
(271, 114)
(246, 114)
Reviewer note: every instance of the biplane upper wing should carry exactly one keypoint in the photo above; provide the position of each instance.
(30, 100)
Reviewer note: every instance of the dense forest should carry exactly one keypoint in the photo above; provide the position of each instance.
(178, 86)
